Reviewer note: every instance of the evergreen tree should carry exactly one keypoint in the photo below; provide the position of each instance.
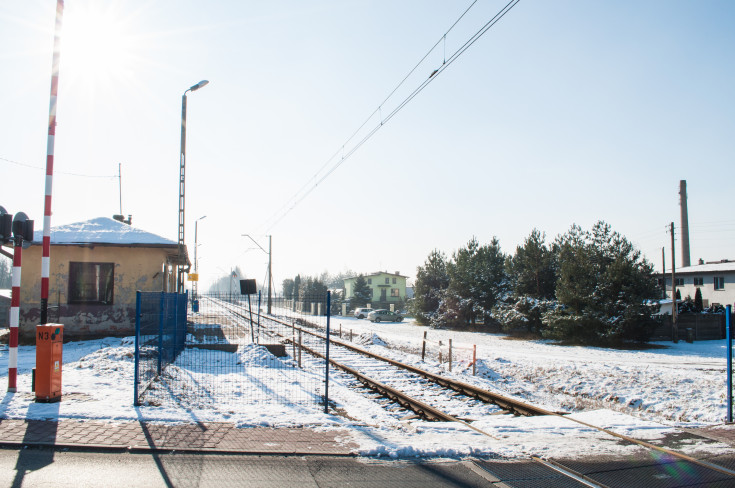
(476, 281)
(288, 289)
(532, 268)
(603, 285)
(431, 282)
(698, 302)
(362, 294)
(6, 273)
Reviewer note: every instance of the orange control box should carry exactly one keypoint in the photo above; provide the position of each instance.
(49, 346)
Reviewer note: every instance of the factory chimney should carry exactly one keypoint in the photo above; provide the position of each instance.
(684, 223)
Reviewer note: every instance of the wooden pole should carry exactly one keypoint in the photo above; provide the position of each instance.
(423, 347)
(450, 355)
(474, 359)
(674, 318)
(299, 348)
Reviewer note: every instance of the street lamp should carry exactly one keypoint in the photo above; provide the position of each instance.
(270, 275)
(196, 266)
(182, 180)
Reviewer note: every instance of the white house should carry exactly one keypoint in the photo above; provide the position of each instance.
(716, 280)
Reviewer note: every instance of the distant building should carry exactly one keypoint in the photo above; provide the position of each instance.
(5, 296)
(388, 289)
(96, 268)
(716, 280)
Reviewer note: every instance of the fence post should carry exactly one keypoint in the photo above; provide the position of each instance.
(161, 318)
(326, 369)
(350, 335)
(136, 374)
(299, 348)
(728, 327)
(474, 359)
(340, 331)
(450, 355)
(423, 347)
(293, 341)
(440, 353)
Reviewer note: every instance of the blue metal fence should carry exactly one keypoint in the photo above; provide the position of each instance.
(160, 335)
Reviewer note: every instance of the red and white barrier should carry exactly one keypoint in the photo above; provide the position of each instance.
(14, 320)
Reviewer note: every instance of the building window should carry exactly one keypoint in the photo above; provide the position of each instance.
(395, 292)
(680, 282)
(698, 281)
(719, 282)
(91, 283)
(370, 281)
(387, 281)
(394, 281)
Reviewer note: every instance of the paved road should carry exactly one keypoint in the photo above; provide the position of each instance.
(44, 467)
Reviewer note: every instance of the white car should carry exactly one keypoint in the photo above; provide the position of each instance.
(361, 313)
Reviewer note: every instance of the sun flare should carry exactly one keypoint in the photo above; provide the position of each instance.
(97, 46)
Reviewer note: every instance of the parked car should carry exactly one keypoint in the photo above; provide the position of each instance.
(384, 316)
(361, 313)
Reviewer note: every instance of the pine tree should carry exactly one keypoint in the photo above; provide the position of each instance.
(362, 294)
(698, 302)
(603, 285)
(288, 289)
(532, 268)
(431, 282)
(6, 276)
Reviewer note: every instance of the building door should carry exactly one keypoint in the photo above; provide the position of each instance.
(383, 295)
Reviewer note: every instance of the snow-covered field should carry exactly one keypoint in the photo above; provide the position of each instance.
(644, 394)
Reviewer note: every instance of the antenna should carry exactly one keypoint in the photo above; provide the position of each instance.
(119, 179)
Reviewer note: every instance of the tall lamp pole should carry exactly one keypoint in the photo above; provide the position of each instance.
(196, 267)
(182, 184)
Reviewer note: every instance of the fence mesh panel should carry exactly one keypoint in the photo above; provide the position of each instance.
(160, 336)
(236, 352)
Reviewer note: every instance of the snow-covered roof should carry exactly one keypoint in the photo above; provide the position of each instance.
(708, 268)
(102, 230)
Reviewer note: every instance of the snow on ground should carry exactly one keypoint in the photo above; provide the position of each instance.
(644, 394)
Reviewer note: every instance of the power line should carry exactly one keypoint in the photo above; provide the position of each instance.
(58, 172)
(307, 188)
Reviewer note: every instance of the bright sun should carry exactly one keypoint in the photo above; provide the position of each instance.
(97, 46)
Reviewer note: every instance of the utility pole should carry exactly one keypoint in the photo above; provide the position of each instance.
(270, 272)
(663, 272)
(674, 317)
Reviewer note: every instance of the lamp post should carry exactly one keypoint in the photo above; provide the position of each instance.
(196, 265)
(270, 269)
(182, 184)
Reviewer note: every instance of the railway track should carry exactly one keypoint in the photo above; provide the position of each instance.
(466, 392)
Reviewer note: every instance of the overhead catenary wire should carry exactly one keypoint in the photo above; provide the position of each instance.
(316, 180)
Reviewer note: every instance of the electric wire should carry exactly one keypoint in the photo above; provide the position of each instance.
(297, 198)
(372, 114)
(58, 172)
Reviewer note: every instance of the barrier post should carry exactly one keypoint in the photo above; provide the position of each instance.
(474, 359)
(450, 355)
(299, 348)
(440, 353)
(423, 347)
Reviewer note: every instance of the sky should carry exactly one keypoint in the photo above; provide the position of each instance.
(562, 113)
